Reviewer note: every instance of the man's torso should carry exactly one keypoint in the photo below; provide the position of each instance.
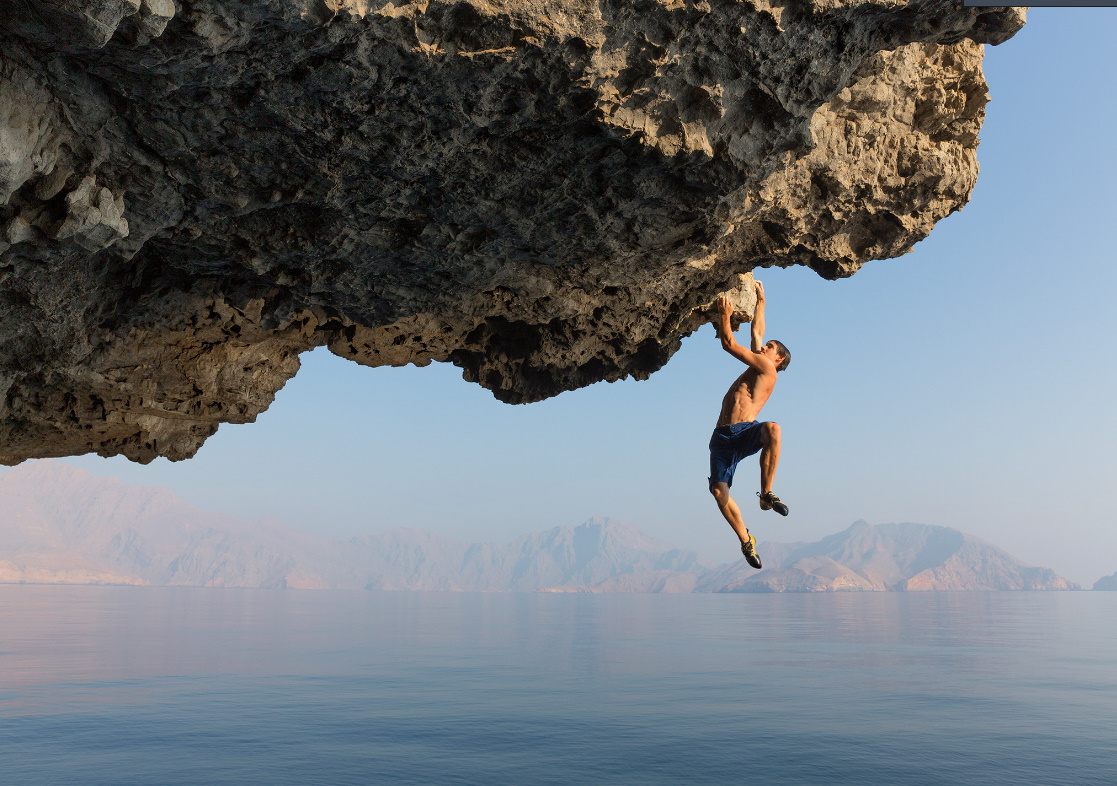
(746, 397)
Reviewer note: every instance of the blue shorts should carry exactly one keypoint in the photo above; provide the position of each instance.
(730, 444)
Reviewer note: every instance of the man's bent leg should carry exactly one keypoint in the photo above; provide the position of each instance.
(769, 455)
(769, 460)
(729, 509)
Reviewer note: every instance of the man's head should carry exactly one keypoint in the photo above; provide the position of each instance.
(779, 354)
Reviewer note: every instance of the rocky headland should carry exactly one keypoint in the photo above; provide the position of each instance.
(61, 525)
(886, 557)
(1106, 583)
(546, 193)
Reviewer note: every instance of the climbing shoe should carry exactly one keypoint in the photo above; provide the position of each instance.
(748, 548)
(770, 501)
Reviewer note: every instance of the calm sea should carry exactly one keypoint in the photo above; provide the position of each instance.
(113, 685)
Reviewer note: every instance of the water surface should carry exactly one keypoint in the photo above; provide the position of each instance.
(122, 685)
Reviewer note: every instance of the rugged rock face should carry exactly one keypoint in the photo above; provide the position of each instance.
(545, 193)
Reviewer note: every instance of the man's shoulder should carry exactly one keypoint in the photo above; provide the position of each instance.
(765, 366)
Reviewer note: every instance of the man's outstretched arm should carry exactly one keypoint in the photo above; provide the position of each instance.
(758, 319)
(729, 343)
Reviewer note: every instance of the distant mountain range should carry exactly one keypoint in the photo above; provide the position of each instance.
(62, 525)
(892, 557)
(1106, 583)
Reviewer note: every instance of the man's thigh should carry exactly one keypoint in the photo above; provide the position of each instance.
(749, 441)
(723, 462)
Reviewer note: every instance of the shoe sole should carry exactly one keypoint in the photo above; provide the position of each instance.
(780, 508)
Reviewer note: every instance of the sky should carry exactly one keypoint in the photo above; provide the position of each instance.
(969, 384)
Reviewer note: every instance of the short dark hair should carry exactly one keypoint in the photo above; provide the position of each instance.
(784, 353)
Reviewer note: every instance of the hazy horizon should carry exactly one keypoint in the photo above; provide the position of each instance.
(65, 525)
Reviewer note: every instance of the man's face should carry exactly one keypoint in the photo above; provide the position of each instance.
(772, 352)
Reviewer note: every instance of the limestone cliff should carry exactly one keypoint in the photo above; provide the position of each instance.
(543, 192)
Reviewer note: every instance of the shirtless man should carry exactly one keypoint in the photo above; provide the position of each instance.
(738, 434)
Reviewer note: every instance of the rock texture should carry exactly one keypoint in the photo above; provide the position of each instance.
(543, 192)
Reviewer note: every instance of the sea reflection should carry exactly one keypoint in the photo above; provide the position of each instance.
(416, 687)
(78, 634)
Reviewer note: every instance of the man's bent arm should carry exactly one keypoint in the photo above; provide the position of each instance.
(729, 343)
(758, 319)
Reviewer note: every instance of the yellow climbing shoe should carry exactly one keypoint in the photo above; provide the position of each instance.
(748, 548)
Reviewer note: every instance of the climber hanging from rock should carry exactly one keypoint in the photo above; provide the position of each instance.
(738, 433)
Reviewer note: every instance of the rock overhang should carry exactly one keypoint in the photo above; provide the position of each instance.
(547, 194)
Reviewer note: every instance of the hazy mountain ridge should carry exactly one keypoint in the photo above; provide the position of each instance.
(55, 520)
(59, 524)
(588, 554)
(886, 557)
(1106, 582)
(62, 525)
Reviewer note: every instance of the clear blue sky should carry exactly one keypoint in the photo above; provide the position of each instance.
(969, 384)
